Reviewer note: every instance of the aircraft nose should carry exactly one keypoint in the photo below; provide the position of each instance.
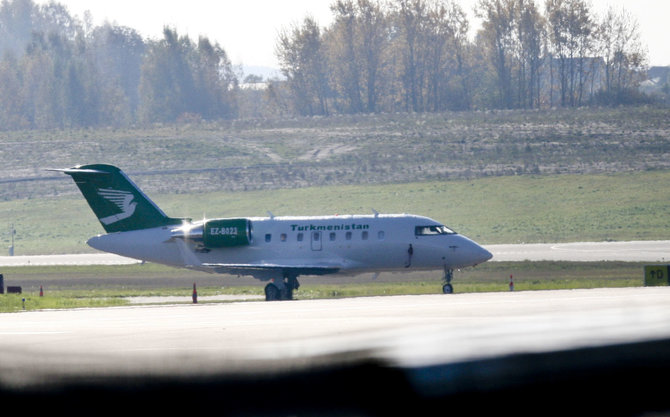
(484, 254)
(475, 253)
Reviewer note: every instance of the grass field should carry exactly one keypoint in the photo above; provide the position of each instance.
(103, 286)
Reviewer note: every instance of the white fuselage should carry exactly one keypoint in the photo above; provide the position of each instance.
(351, 243)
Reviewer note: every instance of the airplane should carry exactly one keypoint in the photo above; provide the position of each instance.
(273, 249)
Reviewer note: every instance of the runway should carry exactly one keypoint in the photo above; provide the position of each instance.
(442, 348)
(607, 350)
(402, 330)
(636, 251)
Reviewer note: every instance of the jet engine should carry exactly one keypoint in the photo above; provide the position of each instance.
(217, 233)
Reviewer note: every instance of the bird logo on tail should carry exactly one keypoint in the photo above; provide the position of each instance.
(123, 200)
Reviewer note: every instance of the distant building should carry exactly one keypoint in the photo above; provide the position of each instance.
(657, 82)
(254, 86)
(660, 73)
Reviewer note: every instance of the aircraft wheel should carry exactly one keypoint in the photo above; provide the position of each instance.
(272, 293)
(447, 289)
(286, 293)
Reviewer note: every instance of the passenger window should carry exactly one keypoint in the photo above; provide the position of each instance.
(380, 235)
(282, 237)
(348, 236)
(316, 236)
(332, 236)
(300, 237)
(268, 237)
(365, 235)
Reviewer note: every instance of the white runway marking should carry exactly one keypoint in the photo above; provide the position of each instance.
(71, 259)
(638, 251)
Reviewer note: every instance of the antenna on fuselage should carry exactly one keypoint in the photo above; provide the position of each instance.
(375, 212)
(272, 216)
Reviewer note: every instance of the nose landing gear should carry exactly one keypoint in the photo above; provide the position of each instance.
(447, 288)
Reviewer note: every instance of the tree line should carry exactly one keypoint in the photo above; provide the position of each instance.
(58, 71)
(415, 55)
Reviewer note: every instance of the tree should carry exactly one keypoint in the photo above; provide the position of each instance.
(344, 51)
(12, 114)
(618, 42)
(355, 46)
(182, 79)
(373, 31)
(117, 53)
(215, 82)
(16, 25)
(530, 27)
(411, 16)
(498, 35)
(570, 28)
(163, 79)
(302, 61)
(446, 45)
(54, 17)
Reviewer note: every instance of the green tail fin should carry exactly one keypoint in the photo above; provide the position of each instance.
(116, 200)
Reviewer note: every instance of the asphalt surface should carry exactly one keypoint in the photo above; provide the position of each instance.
(598, 351)
(403, 330)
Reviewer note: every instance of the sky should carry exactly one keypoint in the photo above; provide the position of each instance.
(248, 29)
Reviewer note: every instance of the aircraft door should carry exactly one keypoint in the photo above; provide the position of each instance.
(316, 241)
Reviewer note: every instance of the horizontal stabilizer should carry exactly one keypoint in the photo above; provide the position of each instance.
(70, 171)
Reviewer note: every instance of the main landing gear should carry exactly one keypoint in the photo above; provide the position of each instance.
(447, 288)
(282, 289)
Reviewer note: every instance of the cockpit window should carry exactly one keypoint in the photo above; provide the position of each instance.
(433, 230)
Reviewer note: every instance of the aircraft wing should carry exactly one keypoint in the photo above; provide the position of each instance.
(271, 270)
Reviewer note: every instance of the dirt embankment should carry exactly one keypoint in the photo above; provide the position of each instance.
(345, 150)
